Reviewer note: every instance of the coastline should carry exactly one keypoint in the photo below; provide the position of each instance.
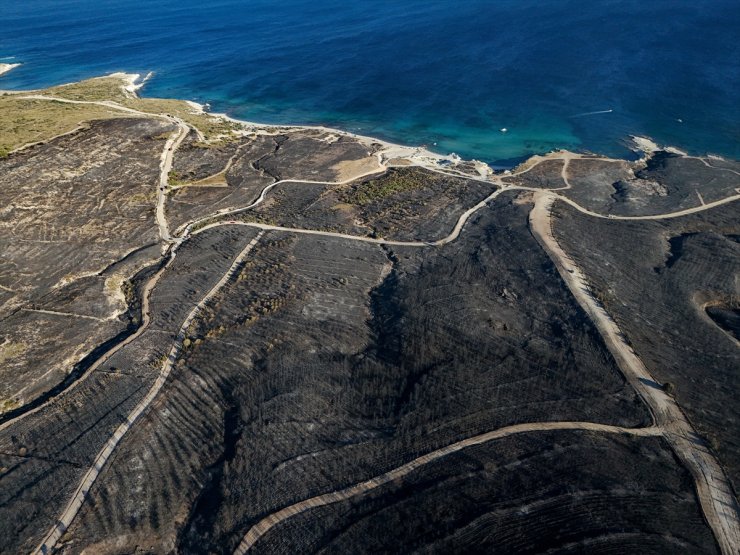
(643, 146)
(502, 226)
(132, 83)
(391, 149)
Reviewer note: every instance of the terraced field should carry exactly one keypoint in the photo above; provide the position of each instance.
(73, 209)
(45, 453)
(656, 278)
(517, 495)
(408, 204)
(227, 338)
(327, 361)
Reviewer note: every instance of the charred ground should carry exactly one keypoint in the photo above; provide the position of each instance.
(198, 353)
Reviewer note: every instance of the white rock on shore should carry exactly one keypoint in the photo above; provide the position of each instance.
(5, 68)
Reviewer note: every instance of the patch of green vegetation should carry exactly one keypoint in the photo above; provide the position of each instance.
(383, 187)
(174, 179)
(204, 223)
(258, 218)
(162, 136)
(214, 143)
(129, 291)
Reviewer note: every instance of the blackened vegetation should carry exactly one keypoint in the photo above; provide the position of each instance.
(210, 497)
(310, 154)
(662, 313)
(727, 318)
(72, 206)
(45, 455)
(346, 360)
(239, 185)
(683, 176)
(401, 204)
(387, 316)
(519, 494)
(412, 203)
(196, 160)
(133, 316)
(545, 175)
(664, 182)
(675, 250)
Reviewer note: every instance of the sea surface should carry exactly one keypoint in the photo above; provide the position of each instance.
(449, 74)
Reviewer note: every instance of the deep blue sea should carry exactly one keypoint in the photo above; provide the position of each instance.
(449, 74)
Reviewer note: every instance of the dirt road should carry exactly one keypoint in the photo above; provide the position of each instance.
(713, 488)
(716, 497)
(165, 166)
(454, 234)
(267, 523)
(78, 498)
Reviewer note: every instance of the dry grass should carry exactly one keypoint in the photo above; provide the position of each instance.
(24, 121)
(30, 121)
(99, 88)
(111, 88)
(11, 350)
(213, 128)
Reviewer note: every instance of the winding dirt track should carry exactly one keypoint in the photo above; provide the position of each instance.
(145, 320)
(78, 498)
(716, 497)
(454, 233)
(566, 156)
(715, 494)
(713, 488)
(264, 525)
(185, 228)
(665, 216)
(168, 153)
(165, 166)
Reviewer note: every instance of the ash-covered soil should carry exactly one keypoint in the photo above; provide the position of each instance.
(316, 155)
(662, 182)
(656, 279)
(215, 177)
(328, 361)
(211, 178)
(77, 221)
(195, 160)
(518, 494)
(545, 175)
(252, 369)
(406, 204)
(44, 455)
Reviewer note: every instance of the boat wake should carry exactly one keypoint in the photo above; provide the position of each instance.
(592, 113)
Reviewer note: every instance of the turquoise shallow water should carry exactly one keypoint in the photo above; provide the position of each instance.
(418, 72)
